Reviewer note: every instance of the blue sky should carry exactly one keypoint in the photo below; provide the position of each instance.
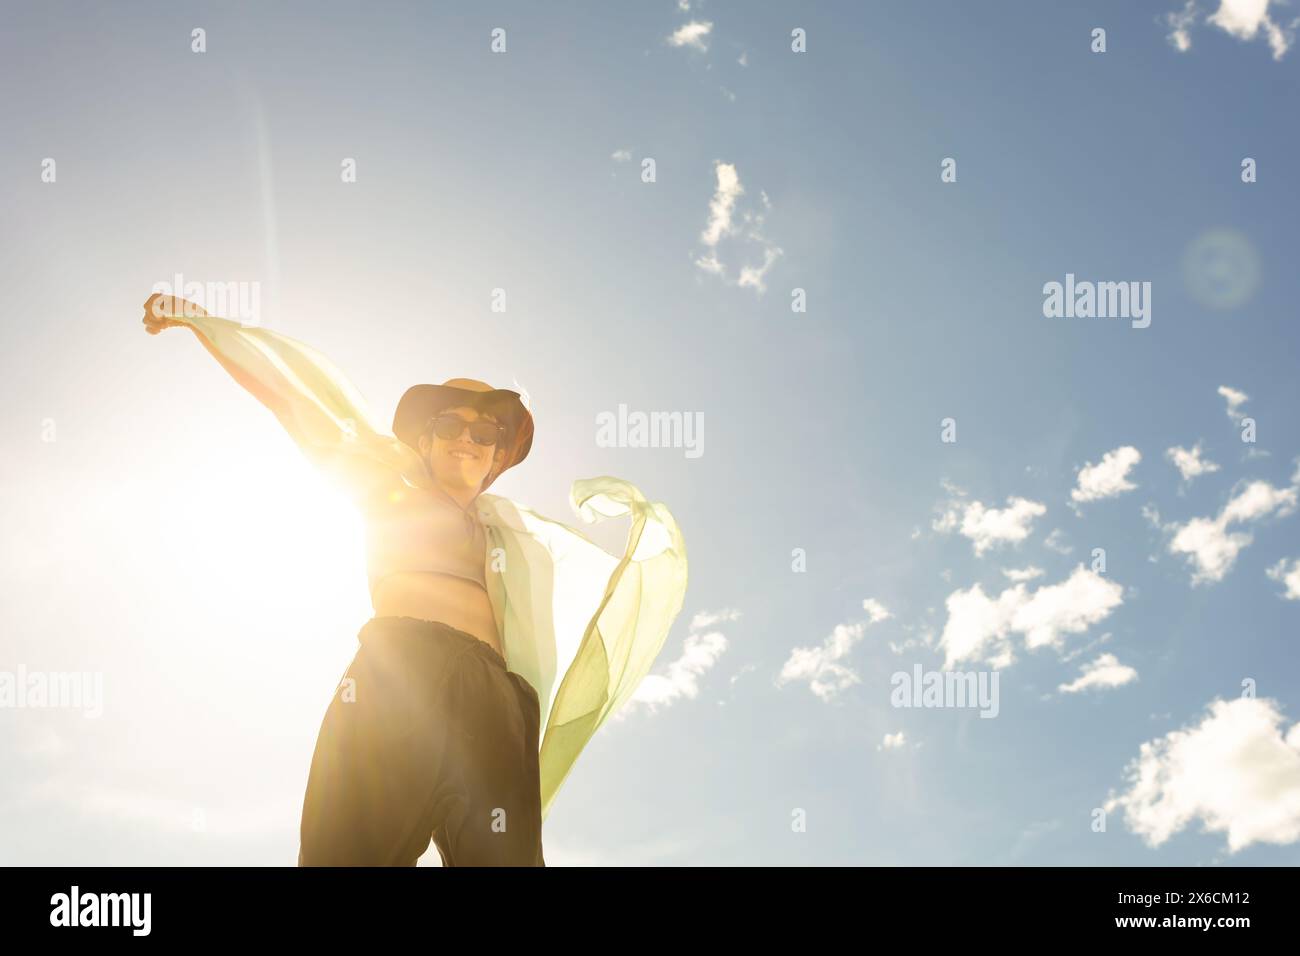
(161, 531)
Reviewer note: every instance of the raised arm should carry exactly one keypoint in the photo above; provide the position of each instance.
(319, 408)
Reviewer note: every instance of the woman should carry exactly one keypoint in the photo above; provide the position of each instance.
(434, 731)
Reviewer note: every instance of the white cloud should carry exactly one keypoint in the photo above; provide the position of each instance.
(1258, 499)
(1243, 19)
(923, 638)
(1023, 574)
(1209, 547)
(753, 275)
(743, 59)
(820, 666)
(988, 527)
(1180, 24)
(1056, 542)
(892, 741)
(1105, 672)
(1190, 464)
(1090, 645)
(709, 262)
(1107, 478)
(621, 155)
(876, 612)
(1235, 772)
(742, 672)
(723, 222)
(1235, 400)
(979, 627)
(1070, 607)
(700, 651)
(723, 204)
(694, 35)
(1289, 574)
(708, 618)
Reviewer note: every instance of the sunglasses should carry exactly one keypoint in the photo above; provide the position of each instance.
(481, 431)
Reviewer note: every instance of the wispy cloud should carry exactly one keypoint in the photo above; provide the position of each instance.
(1180, 23)
(1056, 542)
(752, 276)
(823, 667)
(1103, 673)
(892, 741)
(1023, 574)
(725, 220)
(920, 636)
(701, 650)
(708, 618)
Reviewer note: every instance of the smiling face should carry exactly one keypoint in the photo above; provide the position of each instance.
(458, 464)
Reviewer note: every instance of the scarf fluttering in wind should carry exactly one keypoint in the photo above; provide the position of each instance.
(560, 600)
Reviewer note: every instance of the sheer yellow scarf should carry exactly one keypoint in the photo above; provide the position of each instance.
(561, 601)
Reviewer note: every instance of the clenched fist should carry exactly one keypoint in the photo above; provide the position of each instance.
(159, 310)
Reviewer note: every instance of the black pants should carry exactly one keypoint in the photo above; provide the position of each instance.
(428, 735)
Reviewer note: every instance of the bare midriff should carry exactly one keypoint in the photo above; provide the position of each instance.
(429, 596)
